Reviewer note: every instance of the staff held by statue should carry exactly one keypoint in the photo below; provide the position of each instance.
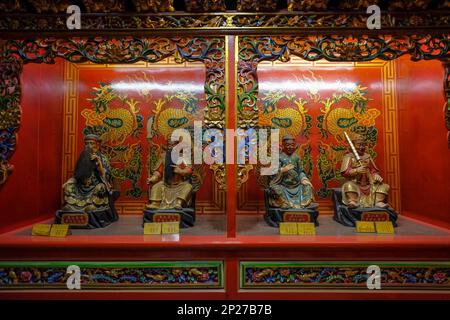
(358, 158)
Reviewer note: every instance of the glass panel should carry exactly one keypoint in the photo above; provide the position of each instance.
(316, 104)
(124, 116)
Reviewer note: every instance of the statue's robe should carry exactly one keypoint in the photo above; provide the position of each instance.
(360, 183)
(88, 193)
(174, 191)
(286, 189)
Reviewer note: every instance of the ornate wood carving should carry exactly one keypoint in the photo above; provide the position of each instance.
(10, 113)
(409, 5)
(332, 48)
(357, 4)
(256, 6)
(253, 50)
(50, 6)
(307, 5)
(446, 65)
(153, 5)
(210, 51)
(149, 275)
(234, 23)
(205, 5)
(11, 6)
(216, 6)
(444, 4)
(342, 275)
(104, 6)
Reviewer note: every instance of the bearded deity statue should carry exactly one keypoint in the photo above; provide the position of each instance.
(172, 188)
(174, 191)
(88, 195)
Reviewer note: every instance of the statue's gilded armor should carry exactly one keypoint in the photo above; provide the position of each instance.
(364, 186)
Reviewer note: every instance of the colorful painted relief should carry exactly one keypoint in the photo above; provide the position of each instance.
(345, 111)
(131, 121)
(113, 275)
(446, 65)
(288, 113)
(317, 109)
(210, 51)
(142, 19)
(114, 121)
(352, 110)
(10, 114)
(253, 50)
(116, 6)
(343, 275)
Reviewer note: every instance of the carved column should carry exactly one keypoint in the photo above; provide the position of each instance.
(9, 114)
(446, 64)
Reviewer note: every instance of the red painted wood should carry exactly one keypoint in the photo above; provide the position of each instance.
(267, 295)
(364, 295)
(270, 78)
(231, 251)
(231, 203)
(177, 294)
(163, 77)
(427, 220)
(232, 277)
(424, 155)
(33, 190)
(249, 247)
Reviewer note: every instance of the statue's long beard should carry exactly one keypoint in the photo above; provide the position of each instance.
(85, 166)
(168, 169)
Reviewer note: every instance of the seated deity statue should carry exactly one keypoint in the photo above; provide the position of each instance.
(364, 186)
(171, 192)
(89, 192)
(289, 192)
(364, 194)
(174, 191)
(290, 188)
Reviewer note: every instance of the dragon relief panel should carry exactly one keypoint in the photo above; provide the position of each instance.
(345, 111)
(135, 125)
(317, 112)
(287, 112)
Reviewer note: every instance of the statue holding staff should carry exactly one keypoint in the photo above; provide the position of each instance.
(364, 186)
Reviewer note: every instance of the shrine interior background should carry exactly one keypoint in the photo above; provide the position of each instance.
(133, 83)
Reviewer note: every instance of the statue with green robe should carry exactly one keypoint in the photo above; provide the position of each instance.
(290, 188)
